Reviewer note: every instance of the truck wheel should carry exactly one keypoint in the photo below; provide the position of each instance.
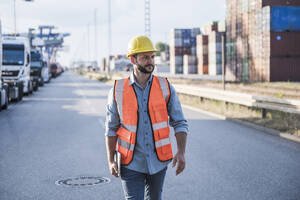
(0, 101)
(29, 87)
(20, 97)
(42, 82)
(6, 101)
(36, 87)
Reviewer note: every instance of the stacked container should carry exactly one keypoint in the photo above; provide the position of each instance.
(215, 53)
(209, 49)
(202, 54)
(190, 64)
(262, 38)
(182, 42)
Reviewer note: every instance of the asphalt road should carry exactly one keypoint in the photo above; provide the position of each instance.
(58, 134)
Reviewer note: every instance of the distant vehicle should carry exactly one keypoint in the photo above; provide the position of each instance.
(53, 70)
(56, 69)
(38, 69)
(3, 86)
(46, 72)
(16, 66)
(36, 66)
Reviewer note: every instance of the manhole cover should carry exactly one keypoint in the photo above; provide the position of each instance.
(83, 181)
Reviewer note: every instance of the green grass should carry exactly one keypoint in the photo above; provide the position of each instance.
(285, 122)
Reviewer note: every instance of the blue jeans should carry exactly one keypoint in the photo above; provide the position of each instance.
(140, 186)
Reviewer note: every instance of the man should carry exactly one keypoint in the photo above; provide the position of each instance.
(139, 111)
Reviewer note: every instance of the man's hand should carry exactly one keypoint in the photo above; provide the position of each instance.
(179, 159)
(110, 148)
(113, 167)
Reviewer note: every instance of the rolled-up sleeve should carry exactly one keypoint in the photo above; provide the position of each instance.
(112, 122)
(177, 119)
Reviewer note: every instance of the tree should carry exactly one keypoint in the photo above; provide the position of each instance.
(160, 46)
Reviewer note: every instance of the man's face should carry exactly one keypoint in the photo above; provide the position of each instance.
(145, 62)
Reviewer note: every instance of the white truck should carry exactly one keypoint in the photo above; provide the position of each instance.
(16, 66)
(3, 86)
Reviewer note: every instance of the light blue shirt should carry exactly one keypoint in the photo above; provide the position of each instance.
(145, 159)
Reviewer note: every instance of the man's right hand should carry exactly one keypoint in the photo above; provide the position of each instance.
(113, 167)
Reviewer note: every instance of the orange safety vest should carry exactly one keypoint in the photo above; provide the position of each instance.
(127, 105)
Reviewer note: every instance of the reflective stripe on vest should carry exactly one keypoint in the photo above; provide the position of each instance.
(157, 105)
(127, 108)
(127, 105)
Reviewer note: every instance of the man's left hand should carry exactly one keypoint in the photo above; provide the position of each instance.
(179, 159)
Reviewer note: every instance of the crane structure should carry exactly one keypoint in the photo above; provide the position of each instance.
(51, 41)
(147, 18)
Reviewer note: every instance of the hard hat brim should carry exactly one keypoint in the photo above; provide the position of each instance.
(131, 54)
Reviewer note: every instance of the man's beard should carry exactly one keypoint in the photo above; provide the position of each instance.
(144, 70)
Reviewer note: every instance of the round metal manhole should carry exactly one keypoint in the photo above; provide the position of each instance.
(83, 181)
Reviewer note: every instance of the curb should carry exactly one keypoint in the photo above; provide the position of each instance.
(247, 124)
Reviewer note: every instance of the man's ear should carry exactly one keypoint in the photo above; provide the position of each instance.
(132, 59)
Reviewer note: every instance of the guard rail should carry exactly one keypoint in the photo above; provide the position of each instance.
(261, 102)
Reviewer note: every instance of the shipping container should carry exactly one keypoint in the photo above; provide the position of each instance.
(202, 69)
(176, 60)
(189, 64)
(189, 60)
(195, 32)
(284, 69)
(193, 50)
(285, 44)
(176, 42)
(285, 19)
(190, 69)
(176, 69)
(280, 3)
(245, 70)
(214, 69)
(182, 41)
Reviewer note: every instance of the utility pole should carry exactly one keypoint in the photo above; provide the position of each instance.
(96, 35)
(15, 15)
(109, 35)
(15, 18)
(88, 42)
(223, 60)
(147, 18)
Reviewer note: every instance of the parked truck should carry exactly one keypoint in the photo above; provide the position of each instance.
(16, 66)
(3, 86)
(36, 66)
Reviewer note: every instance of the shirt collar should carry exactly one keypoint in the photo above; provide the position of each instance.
(132, 79)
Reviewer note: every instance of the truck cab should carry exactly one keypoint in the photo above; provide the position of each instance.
(39, 71)
(16, 66)
(36, 67)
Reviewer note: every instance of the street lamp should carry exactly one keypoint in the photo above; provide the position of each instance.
(15, 17)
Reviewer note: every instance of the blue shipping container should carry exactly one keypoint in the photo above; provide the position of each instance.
(186, 42)
(285, 18)
(193, 41)
(186, 33)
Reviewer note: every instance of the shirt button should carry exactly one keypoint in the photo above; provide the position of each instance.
(145, 121)
(146, 133)
(145, 110)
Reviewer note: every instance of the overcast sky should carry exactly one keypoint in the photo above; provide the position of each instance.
(73, 16)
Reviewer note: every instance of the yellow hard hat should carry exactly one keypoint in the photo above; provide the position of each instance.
(139, 44)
